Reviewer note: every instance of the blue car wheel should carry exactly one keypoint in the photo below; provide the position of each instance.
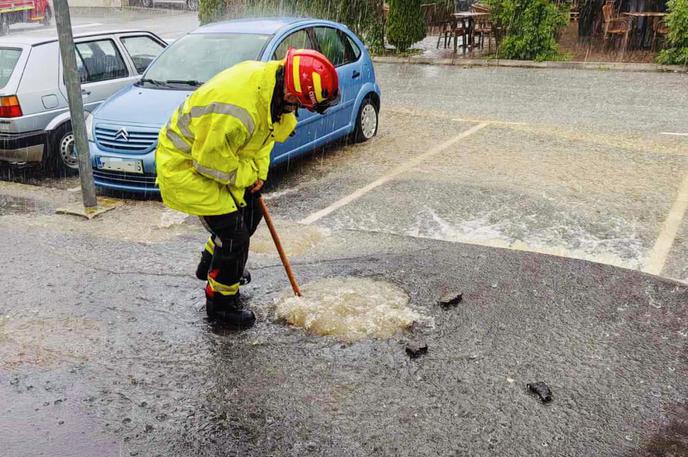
(367, 121)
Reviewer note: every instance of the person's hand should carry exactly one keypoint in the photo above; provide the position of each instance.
(257, 186)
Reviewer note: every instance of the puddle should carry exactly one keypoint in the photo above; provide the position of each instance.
(17, 205)
(170, 217)
(349, 309)
(46, 342)
(297, 239)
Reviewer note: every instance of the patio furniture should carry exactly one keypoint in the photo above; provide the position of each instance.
(429, 11)
(483, 27)
(574, 13)
(645, 17)
(615, 25)
(467, 20)
(447, 26)
(660, 28)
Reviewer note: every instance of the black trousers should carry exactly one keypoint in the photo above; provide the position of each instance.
(230, 236)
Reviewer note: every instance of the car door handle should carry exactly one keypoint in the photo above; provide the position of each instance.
(85, 92)
(355, 74)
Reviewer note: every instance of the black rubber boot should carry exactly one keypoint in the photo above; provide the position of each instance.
(245, 278)
(204, 266)
(230, 311)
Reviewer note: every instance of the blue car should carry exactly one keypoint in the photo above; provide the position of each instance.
(123, 131)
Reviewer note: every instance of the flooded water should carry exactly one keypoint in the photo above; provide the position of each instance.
(17, 205)
(349, 309)
(297, 239)
(62, 339)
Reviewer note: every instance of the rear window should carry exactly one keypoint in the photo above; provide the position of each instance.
(8, 60)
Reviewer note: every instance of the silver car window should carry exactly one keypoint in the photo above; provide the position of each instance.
(142, 50)
(8, 60)
(101, 60)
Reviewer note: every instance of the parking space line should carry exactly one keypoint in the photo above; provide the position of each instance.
(83, 26)
(673, 133)
(667, 235)
(449, 117)
(403, 168)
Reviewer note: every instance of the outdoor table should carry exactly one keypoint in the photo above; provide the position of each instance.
(650, 17)
(467, 19)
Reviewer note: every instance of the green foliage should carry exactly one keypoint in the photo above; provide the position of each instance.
(527, 29)
(211, 11)
(363, 17)
(677, 39)
(406, 24)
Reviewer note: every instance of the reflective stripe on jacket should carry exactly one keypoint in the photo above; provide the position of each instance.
(218, 142)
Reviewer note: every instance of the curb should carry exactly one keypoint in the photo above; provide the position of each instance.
(100, 10)
(604, 66)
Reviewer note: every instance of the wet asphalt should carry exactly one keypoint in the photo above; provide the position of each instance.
(106, 350)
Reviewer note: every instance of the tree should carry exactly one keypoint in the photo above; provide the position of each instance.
(211, 11)
(406, 24)
(528, 28)
(363, 17)
(590, 11)
(677, 39)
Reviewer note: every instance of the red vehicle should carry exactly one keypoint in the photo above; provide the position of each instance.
(15, 11)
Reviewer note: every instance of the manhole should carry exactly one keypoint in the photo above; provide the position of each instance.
(349, 309)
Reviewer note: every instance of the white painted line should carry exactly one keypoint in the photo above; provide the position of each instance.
(491, 121)
(437, 115)
(92, 24)
(660, 251)
(403, 168)
(673, 133)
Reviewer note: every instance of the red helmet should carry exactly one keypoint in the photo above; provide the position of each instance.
(311, 77)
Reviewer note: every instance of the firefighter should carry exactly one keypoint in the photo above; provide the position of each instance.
(214, 153)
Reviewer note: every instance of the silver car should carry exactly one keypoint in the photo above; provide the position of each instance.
(34, 114)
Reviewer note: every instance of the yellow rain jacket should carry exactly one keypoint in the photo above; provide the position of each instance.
(219, 141)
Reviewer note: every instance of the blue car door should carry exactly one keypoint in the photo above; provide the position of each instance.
(337, 46)
(305, 134)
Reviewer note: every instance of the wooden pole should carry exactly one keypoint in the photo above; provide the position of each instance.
(280, 249)
(76, 103)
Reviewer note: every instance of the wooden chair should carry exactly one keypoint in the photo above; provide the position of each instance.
(482, 27)
(574, 13)
(429, 11)
(616, 25)
(660, 28)
(480, 8)
(446, 24)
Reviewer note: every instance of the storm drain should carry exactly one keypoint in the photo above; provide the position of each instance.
(349, 309)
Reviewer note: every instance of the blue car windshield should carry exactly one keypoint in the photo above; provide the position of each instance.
(196, 58)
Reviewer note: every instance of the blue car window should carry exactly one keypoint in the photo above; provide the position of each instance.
(331, 45)
(297, 40)
(355, 50)
(200, 56)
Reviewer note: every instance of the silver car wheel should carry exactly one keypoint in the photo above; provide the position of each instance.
(68, 151)
(368, 121)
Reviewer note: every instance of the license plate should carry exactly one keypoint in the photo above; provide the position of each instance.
(117, 164)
